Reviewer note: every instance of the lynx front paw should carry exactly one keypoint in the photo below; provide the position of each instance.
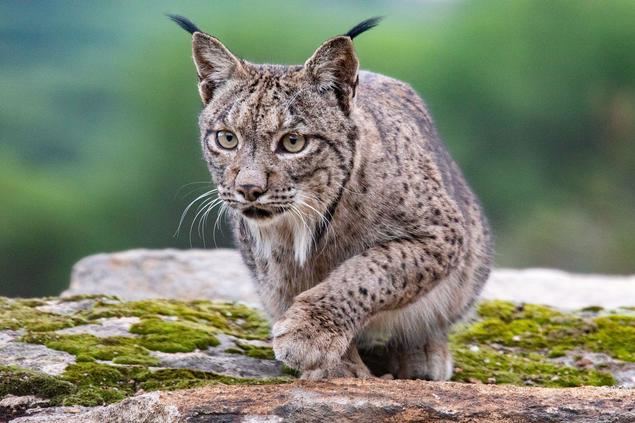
(343, 369)
(305, 342)
(351, 365)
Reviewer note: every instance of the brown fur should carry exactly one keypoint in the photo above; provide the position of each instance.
(374, 241)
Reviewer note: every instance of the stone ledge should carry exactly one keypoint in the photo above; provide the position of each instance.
(221, 274)
(121, 359)
(344, 400)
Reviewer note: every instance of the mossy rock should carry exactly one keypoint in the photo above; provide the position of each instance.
(507, 343)
(110, 368)
(521, 344)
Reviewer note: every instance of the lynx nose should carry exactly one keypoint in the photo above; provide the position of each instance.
(250, 192)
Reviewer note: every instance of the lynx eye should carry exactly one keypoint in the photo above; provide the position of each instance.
(293, 143)
(226, 139)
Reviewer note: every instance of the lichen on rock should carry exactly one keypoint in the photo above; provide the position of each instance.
(519, 344)
(109, 368)
(171, 344)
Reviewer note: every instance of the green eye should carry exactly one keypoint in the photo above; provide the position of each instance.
(293, 143)
(226, 139)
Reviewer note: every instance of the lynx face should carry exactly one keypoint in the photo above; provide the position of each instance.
(277, 144)
(278, 140)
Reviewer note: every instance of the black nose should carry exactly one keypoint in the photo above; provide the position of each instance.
(250, 192)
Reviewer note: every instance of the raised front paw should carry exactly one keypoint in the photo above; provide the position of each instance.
(306, 339)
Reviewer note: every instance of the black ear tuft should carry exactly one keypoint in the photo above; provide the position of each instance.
(364, 26)
(184, 23)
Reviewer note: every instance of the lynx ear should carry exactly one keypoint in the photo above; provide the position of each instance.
(215, 64)
(334, 66)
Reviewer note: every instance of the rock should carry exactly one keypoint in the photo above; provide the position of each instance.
(12, 405)
(104, 328)
(347, 400)
(186, 275)
(235, 365)
(7, 336)
(145, 408)
(624, 372)
(35, 357)
(221, 274)
(66, 307)
(110, 349)
(584, 362)
(84, 355)
(560, 289)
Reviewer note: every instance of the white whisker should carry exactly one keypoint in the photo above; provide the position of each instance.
(190, 205)
(223, 210)
(203, 219)
(212, 202)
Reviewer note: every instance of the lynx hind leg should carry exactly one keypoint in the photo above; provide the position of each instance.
(431, 360)
(350, 366)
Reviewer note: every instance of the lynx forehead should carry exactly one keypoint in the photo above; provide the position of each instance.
(359, 229)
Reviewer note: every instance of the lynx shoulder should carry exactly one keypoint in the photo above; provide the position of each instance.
(358, 227)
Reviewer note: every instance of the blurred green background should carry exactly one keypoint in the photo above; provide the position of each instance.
(98, 136)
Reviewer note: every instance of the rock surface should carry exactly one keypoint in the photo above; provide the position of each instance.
(71, 357)
(187, 275)
(29, 356)
(221, 274)
(347, 400)
(560, 289)
(96, 357)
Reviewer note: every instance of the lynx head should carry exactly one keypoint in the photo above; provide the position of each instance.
(278, 140)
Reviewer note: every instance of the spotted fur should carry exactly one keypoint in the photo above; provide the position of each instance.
(369, 239)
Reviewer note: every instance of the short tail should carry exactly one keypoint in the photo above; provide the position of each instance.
(184, 23)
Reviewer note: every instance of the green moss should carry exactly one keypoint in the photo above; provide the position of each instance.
(88, 348)
(102, 384)
(249, 350)
(80, 297)
(168, 379)
(23, 314)
(165, 325)
(245, 322)
(286, 370)
(98, 384)
(544, 330)
(230, 318)
(141, 360)
(515, 345)
(501, 310)
(519, 369)
(592, 309)
(30, 302)
(18, 381)
(174, 336)
(529, 334)
(615, 335)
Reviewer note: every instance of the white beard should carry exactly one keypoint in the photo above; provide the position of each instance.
(269, 235)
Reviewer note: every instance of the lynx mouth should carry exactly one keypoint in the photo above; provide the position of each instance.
(258, 213)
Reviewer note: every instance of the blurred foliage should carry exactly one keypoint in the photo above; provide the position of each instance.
(98, 137)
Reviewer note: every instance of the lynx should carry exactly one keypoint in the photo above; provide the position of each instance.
(364, 240)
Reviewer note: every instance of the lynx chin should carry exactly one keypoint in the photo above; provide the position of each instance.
(364, 240)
